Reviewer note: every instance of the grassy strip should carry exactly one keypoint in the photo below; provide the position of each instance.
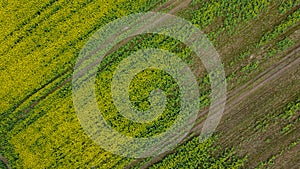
(204, 155)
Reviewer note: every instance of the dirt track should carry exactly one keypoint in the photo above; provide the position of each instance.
(292, 60)
(241, 94)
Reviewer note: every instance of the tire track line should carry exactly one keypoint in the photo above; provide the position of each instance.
(46, 17)
(4, 161)
(12, 109)
(235, 98)
(63, 83)
(26, 21)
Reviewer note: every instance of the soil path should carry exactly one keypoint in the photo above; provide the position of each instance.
(240, 94)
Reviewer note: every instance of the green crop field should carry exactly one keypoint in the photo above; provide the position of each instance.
(258, 42)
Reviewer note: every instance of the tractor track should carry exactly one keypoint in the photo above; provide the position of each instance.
(4, 161)
(234, 97)
(69, 70)
(240, 94)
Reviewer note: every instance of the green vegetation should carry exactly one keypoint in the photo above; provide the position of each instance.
(288, 118)
(39, 47)
(195, 155)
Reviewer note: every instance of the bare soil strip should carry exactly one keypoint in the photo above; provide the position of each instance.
(235, 97)
(240, 95)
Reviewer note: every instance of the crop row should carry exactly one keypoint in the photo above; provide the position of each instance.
(23, 13)
(224, 14)
(41, 50)
(195, 155)
(289, 119)
(44, 136)
(36, 118)
(291, 21)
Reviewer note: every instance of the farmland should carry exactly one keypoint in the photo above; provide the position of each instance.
(258, 43)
